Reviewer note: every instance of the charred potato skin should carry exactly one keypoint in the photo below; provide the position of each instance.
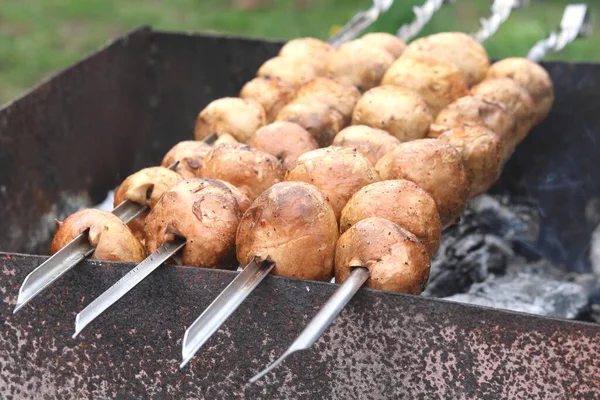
(439, 82)
(482, 154)
(271, 92)
(308, 50)
(532, 77)
(285, 140)
(475, 110)
(293, 225)
(112, 239)
(251, 170)
(360, 64)
(396, 259)
(388, 42)
(288, 69)
(399, 111)
(206, 214)
(371, 143)
(457, 47)
(342, 97)
(337, 172)
(189, 154)
(320, 119)
(237, 117)
(400, 201)
(513, 96)
(435, 166)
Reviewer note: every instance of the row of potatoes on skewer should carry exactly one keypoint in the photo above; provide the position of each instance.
(333, 158)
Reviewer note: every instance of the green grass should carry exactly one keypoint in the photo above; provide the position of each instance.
(37, 37)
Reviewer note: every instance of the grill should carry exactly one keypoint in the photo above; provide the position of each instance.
(73, 138)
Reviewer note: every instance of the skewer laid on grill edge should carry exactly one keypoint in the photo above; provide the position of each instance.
(501, 10)
(361, 21)
(423, 15)
(344, 293)
(241, 286)
(575, 23)
(74, 252)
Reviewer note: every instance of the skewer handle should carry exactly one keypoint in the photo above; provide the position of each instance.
(575, 23)
(361, 21)
(501, 10)
(423, 15)
(324, 317)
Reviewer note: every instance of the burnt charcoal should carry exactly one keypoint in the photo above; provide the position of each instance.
(536, 288)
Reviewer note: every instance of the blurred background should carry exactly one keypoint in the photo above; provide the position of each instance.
(39, 37)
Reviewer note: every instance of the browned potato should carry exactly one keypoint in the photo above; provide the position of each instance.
(438, 81)
(396, 259)
(145, 187)
(359, 63)
(271, 92)
(474, 110)
(320, 119)
(112, 239)
(251, 170)
(435, 166)
(337, 172)
(400, 201)
(342, 97)
(190, 154)
(398, 111)
(206, 214)
(457, 47)
(285, 140)
(390, 43)
(308, 50)
(288, 69)
(371, 143)
(237, 117)
(482, 153)
(292, 224)
(531, 76)
(513, 96)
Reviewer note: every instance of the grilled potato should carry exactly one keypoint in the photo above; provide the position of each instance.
(342, 97)
(189, 154)
(386, 41)
(270, 92)
(238, 117)
(371, 143)
(308, 50)
(288, 69)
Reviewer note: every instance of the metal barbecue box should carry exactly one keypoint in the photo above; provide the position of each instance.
(75, 136)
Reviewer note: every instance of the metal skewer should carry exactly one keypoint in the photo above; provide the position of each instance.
(74, 252)
(575, 23)
(501, 10)
(423, 15)
(361, 21)
(324, 317)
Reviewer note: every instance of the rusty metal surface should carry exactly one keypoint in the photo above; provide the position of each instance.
(383, 345)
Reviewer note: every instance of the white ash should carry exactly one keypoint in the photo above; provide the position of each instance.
(107, 204)
(595, 251)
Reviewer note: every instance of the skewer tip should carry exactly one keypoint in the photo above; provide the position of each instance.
(78, 327)
(18, 307)
(271, 367)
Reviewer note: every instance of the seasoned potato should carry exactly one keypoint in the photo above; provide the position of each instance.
(251, 170)
(285, 140)
(457, 47)
(396, 259)
(482, 153)
(308, 50)
(337, 172)
(190, 154)
(342, 97)
(513, 96)
(145, 187)
(475, 110)
(271, 92)
(287, 69)
(237, 117)
(371, 143)
(398, 111)
(320, 119)
(292, 224)
(390, 43)
(224, 138)
(438, 81)
(359, 63)
(532, 77)
(206, 214)
(435, 166)
(400, 201)
(112, 239)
